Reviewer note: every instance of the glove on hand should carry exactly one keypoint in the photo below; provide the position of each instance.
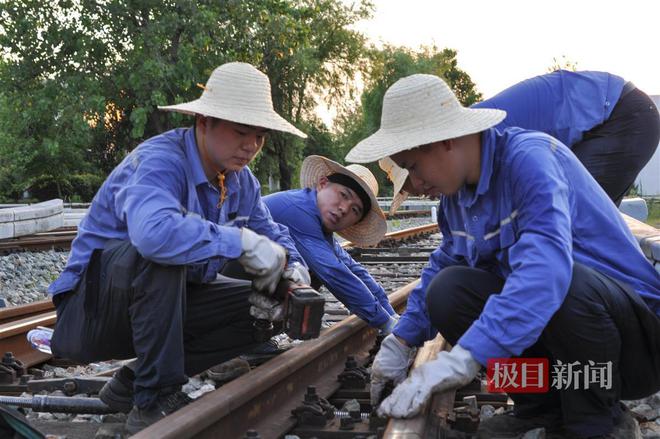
(265, 308)
(387, 327)
(297, 273)
(449, 370)
(263, 258)
(391, 363)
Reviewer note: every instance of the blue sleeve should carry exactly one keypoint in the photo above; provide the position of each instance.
(358, 270)
(540, 259)
(262, 223)
(341, 282)
(159, 227)
(415, 326)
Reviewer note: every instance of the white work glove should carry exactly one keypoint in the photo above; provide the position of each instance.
(450, 370)
(391, 364)
(265, 308)
(387, 327)
(298, 274)
(262, 258)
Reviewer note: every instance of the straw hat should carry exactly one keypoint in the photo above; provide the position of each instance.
(417, 110)
(372, 228)
(397, 176)
(240, 93)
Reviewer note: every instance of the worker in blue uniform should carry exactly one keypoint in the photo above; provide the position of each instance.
(611, 126)
(342, 200)
(535, 261)
(142, 279)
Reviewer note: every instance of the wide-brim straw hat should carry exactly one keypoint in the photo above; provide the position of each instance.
(398, 177)
(239, 93)
(418, 110)
(373, 226)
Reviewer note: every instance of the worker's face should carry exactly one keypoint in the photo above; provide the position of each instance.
(340, 207)
(410, 188)
(229, 146)
(433, 169)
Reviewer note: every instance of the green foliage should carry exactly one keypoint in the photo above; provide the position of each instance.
(74, 188)
(654, 212)
(81, 79)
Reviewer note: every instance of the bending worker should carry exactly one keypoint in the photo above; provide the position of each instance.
(142, 277)
(342, 200)
(611, 126)
(536, 261)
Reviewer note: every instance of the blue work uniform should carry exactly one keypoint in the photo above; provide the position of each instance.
(142, 278)
(534, 213)
(160, 199)
(347, 280)
(563, 104)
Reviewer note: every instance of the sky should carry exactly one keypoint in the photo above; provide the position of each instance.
(501, 42)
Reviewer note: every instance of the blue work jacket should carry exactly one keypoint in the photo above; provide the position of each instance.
(534, 212)
(563, 104)
(159, 198)
(347, 280)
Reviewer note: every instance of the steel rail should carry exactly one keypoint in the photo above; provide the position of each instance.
(263, 398)
(39, 241)
(13, 313)
(399, 214)
(400, 235)
(15, 322)
(434, 414)
(12, 338)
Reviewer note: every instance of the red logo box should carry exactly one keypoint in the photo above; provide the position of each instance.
(518, 375)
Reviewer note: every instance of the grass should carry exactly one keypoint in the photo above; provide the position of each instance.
(653, 205)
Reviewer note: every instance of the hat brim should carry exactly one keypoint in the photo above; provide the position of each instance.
(252, 117)
(371, 229)
(387, 142)
(398, 199)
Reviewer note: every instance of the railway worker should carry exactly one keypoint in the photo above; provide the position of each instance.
(610, 125)
(536, 261)
(142, 277)
(337, 199)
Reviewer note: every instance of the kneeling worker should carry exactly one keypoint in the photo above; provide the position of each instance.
(536, 261)
(142, 277)
(342, 200)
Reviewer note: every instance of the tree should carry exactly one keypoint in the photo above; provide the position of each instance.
(387, 66)
(308, 51)
(84, 77)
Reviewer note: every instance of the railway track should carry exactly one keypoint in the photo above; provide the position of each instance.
(16, 321)
(288, 394)
(59, 239)
(348, 336)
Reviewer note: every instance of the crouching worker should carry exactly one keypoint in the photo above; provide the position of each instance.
(342, 200)
(536, 261)
(142, 277)
(611, 126)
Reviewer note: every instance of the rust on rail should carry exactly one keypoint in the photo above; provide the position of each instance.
(263, 398)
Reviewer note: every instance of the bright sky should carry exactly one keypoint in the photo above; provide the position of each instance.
(501, 42)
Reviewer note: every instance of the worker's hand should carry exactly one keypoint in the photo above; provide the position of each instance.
(387, 327)
(265, 308)
(391, 364)
(298, 274)
(450, 370)
(262, 258)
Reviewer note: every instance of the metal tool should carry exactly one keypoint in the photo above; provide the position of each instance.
(303, 311)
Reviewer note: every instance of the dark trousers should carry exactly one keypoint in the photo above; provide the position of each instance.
(601, 320)
(126, 306)
(616, 151)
